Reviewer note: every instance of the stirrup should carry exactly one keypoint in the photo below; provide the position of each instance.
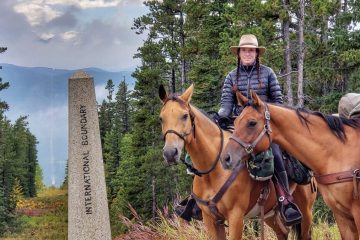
(296, 216)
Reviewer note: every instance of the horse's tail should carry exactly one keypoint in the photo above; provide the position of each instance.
(297, 230)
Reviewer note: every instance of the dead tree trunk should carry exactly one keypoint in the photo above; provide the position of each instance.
(300, 92)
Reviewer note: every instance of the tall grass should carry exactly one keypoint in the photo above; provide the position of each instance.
(43, 217)
(174, 228)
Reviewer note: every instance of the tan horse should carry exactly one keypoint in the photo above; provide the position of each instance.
(185, 126)
(329, 145)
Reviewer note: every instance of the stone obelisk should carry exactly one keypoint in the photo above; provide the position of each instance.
(88, 213)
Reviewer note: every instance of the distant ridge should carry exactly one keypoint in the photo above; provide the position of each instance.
(42, 93)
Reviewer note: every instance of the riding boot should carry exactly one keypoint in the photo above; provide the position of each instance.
(288, 209)
(284, 180)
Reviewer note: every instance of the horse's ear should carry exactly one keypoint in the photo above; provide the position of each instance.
(162, 93)
(255, 98)
(241, 99)
(186, 96)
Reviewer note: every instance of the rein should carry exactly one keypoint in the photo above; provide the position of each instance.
(249, 147)
(211, 204)
(199, 172)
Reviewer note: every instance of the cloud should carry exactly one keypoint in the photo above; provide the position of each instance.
(74, 36)
(101, 93)
(36, 13)
(67, 20)
(85, 4)
(69, 35)
(46, 36)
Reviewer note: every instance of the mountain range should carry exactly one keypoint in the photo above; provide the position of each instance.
(41, 93)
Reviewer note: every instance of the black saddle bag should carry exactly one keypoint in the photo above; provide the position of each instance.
(297, 171)
(188, 209)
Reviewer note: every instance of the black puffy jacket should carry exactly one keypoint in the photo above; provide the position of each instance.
(269, 90)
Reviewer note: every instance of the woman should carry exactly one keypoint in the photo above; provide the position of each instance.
(250, 74)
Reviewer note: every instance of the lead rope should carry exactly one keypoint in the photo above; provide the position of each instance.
(264, 194)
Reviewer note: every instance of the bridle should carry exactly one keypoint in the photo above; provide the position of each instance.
(192, 130)
(249, 147)
(192, 119)
(184, 134)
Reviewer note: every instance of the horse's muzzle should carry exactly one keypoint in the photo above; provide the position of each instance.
(171, 155)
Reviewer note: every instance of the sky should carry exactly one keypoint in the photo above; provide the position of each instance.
(70, 34)
(67, 34)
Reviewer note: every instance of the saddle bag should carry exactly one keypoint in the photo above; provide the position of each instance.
(188, 209)
(261, 167)
(297, 172)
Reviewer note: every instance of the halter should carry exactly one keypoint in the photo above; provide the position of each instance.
(249, 147)
(192, 130)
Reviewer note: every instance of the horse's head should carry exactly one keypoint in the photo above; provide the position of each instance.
(251, 129)
(177, 122)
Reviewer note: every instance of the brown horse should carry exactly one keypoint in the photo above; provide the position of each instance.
(185, 126)
(329, 145)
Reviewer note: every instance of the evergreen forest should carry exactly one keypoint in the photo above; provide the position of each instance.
(20, 174)
(313, 47)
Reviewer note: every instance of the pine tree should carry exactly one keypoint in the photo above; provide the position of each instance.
(21, 153)
(206, 22)
(120, 126)
(165, 25)
(106, 112)
(32, 163)
(123, 108)
(7, 174)
(3, 105)
(18, 160)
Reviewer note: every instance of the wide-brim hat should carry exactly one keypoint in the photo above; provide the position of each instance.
(248, 41)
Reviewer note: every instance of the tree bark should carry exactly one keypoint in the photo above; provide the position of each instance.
(153, 198)
(287, 54)
(300, 91)
(183, 61)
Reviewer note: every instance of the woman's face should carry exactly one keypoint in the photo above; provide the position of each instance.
(247, 55)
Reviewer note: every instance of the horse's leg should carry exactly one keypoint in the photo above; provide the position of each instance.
(215, 231)
(355, 210)
(347, 227)
(236, 225)
(305, 199)
(271, 222)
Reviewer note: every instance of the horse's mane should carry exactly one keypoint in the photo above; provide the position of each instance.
(335, 123)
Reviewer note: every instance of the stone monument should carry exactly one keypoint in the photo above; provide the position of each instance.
(88, 213)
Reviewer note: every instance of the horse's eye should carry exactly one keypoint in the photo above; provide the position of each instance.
(252, 124)
(160, 119)
(185, 116)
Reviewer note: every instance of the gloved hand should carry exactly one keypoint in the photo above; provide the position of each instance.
(224, 122)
